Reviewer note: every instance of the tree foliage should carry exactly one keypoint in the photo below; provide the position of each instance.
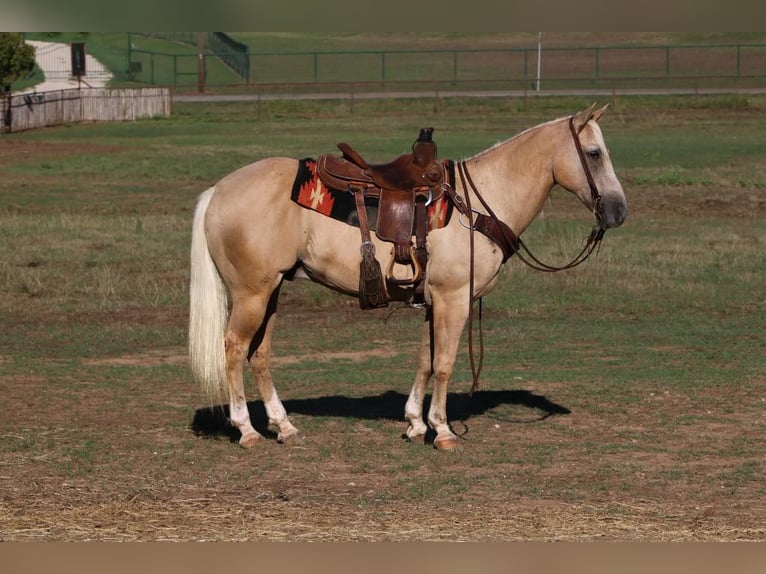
(17, 59)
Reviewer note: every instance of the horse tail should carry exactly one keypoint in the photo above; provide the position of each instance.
(208, 309)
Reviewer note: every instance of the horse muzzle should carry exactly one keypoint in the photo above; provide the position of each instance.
(611, 212)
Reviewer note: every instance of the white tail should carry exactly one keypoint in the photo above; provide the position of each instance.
(208, 309)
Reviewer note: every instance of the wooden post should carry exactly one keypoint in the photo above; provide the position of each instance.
(201, 61)
(7, 114)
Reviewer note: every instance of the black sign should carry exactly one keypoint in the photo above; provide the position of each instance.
(78, 59)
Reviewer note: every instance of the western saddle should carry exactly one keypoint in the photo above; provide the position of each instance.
(403, 189)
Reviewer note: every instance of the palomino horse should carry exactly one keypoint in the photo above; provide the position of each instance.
(248, 236)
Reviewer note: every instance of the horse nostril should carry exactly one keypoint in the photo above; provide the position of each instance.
(615, 211)
(622, 213)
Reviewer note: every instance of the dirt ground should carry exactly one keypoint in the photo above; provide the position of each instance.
(120, 460)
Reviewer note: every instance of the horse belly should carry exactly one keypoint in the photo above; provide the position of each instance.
(331, 253)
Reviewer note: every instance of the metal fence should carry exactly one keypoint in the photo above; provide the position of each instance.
(634, 66)
(232, 53)
(583, 66)
(29, 111)
(157, 65)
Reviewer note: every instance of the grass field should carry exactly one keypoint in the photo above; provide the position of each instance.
(624, 400)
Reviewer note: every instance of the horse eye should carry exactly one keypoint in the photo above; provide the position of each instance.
(594, 153)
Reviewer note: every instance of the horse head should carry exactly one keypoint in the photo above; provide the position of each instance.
(585, 168)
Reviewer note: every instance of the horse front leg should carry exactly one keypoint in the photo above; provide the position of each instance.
(413, 410)
(449, 316)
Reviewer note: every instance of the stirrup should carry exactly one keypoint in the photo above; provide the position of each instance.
(417, 271)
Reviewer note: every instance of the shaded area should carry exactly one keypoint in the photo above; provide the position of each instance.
(213, 421)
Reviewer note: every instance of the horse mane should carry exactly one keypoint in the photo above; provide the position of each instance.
(517, 136)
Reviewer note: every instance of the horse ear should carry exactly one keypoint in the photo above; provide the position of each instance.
(582, 118)
(598, 113)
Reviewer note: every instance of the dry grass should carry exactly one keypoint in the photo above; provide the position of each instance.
(261, 519)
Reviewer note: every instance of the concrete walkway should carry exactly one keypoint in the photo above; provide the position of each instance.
(55, 60)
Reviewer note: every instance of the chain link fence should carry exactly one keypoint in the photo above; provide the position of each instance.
(560, 68)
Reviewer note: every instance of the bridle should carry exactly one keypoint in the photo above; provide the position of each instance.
(510, 243)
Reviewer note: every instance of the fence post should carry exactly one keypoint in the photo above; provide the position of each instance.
(7, 114)
(667, 61)
(526, 68)
(739, 50)
(383, 67)
(201, 62)
(598, 53)
(454, 66)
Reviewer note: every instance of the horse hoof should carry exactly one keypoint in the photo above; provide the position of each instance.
(288, 438)
(447, 443)
(418, 438)
(249, 440)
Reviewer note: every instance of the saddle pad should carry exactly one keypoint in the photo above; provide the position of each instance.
(309, 192)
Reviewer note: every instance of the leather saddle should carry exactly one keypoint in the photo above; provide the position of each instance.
(408, 172)
(403, 188)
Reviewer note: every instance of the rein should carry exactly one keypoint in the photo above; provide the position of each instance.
(491, 226)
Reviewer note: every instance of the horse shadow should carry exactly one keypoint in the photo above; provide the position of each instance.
(213, 421)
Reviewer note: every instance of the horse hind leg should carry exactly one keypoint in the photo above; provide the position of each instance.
(248, 313)
(260, 363)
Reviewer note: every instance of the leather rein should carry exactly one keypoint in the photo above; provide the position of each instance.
(501, 234)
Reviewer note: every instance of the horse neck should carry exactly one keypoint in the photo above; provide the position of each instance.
(516, 176)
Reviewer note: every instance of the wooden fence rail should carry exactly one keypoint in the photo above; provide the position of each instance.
(36, 110)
